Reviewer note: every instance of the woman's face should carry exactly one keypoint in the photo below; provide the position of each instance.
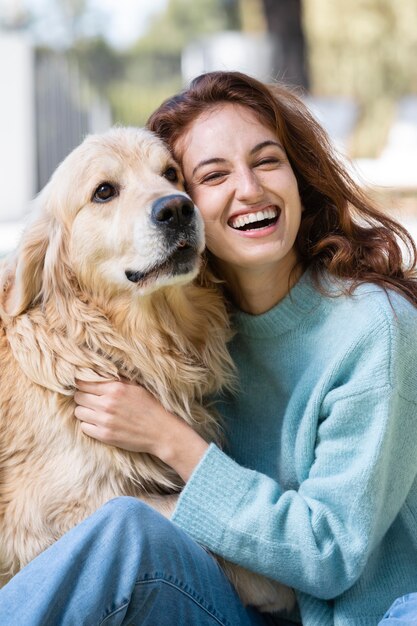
(238, 175)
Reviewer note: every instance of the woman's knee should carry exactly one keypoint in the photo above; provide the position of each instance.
(129, 510)
(124, 505)
(151, 539)
(131, 515)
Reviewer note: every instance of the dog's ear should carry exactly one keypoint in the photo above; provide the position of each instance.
(22, 278)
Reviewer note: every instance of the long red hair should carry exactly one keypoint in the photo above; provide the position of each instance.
(341, 231)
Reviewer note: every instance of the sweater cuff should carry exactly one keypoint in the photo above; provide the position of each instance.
(211, 496)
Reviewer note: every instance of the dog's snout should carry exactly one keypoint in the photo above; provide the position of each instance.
(173, 211)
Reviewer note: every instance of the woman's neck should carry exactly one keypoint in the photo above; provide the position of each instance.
(257, 290)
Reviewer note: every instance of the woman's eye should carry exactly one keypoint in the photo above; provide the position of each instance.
(214, 176)
(267, 161)
(171, 174)
(104, 192)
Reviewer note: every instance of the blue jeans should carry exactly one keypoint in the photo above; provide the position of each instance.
(402, 613)
(124, 565)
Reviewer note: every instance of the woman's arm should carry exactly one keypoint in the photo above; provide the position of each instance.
(128, 416)
(319, 537)
(355, 463)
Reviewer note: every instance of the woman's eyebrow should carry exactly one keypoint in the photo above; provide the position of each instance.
(264, 144)
(208, 162)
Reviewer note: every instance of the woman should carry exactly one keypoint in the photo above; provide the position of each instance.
(317, 485)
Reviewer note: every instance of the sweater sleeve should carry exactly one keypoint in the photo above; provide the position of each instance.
(317, 538)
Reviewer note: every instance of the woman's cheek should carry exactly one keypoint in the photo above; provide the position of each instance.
(206, 209)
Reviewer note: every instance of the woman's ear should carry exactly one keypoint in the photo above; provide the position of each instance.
(21, 280)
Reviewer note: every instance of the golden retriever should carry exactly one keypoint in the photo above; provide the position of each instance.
(103, 286)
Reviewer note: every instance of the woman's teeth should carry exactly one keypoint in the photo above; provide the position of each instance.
(257, 219)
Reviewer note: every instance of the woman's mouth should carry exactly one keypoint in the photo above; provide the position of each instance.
(255, 220)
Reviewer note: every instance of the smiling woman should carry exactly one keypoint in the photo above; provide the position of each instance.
(324, 310)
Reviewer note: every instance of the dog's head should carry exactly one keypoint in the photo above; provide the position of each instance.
(114, 217)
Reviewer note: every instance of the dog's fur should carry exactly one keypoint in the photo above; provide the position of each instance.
(68, 310)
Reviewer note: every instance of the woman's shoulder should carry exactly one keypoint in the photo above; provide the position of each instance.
(375, 320)
(369, 301)
(375, 335)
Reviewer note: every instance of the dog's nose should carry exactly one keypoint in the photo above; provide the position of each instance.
(173, 211)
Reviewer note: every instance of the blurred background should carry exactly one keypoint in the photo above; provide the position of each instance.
(71, 67)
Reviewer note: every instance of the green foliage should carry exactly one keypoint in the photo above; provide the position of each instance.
(133, 103)
(137, 80)
(152, 67)
(99, 61)
(362, 48)
(182, 21)
(365, 49)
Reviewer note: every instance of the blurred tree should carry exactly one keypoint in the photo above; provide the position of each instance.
(183, 21)
(158, 52)
(73, 13)
(366, 50)
(252, 16)
(14, 15)
(58, 24)
(137, 79)
(233, 14)
(100, 62)
(153, 64)
(285, 24)
(361, 47)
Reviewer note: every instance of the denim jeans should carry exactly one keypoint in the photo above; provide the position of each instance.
(124, 565)
(402, 613)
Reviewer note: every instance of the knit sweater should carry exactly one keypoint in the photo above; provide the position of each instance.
(317, 484)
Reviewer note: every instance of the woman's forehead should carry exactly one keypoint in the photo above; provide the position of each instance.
(214, 123)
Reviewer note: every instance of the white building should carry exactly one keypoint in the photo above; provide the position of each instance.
(17, 126)
(46, 108)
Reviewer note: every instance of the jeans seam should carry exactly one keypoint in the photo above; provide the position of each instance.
(183, 591)
(123, 606)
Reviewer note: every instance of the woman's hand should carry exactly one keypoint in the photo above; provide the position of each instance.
(128, 416)
(120, 414)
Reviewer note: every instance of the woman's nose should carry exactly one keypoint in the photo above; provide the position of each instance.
(248, 186)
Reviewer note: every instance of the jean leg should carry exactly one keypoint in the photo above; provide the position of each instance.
(124, 566)
(403, 612)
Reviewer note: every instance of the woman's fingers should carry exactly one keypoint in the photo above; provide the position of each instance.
(88, 400)
(85, 414)
(96, 389)
(93, 424)
(92, 431)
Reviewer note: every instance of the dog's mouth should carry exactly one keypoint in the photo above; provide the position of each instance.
(182, 261)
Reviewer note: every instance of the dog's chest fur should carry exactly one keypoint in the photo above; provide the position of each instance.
(52, 475)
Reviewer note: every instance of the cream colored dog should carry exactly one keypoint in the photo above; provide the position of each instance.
(102, 286)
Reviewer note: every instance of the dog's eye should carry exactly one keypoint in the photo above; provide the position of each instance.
(104, 192)
(171, 174)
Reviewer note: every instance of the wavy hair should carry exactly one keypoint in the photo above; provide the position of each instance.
(342, 231)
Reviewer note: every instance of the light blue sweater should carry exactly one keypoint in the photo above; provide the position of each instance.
(318, 487)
